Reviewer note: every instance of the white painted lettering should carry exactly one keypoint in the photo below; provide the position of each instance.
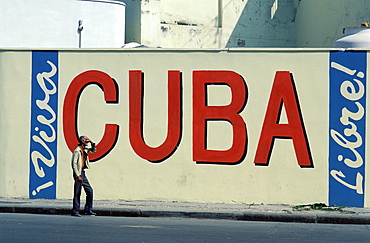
(43, 137)
(359, 179)
(348, 118)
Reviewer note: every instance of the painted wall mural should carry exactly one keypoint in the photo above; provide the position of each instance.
(347, 128)
(44, 108)
(238, 126)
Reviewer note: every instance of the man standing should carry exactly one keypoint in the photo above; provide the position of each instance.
(80, 162)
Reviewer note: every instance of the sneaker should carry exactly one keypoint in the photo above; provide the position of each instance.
(76, 214)
(91, 213)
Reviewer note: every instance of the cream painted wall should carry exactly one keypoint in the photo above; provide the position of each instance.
(122, 174)
(179, 178)
(14, 122)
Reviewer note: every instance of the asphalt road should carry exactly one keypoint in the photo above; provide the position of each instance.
(62, 228)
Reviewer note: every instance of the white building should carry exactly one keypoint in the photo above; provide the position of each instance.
(62, 23)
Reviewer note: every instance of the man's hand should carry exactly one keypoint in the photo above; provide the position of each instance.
(79, 178)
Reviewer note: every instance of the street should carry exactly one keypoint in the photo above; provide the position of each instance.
(62, 228)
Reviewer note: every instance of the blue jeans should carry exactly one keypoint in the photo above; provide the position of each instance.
(77, 194)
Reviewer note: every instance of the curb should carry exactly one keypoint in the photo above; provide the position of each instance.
(279, 217)
(242, 216)
(34, 210)
(197, 215)
(343, 219)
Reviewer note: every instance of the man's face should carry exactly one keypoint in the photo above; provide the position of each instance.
(85, 141)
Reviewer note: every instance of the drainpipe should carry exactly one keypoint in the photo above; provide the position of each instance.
(79, 31)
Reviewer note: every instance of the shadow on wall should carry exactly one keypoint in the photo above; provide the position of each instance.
(133, 21)
(278, 23)
(265, 23)
(320, 22)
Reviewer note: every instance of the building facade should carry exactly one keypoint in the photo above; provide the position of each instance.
(242, 23)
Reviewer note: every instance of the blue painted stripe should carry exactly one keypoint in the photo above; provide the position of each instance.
(43, 133)
(347, 127)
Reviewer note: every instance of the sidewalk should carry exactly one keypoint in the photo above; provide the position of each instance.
(279, 213)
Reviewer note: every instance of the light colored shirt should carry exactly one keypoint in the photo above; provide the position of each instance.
(77, 159)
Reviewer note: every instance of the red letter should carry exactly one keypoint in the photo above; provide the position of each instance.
(174, 124)
(283, 92)
(203, 113)
(70, 109)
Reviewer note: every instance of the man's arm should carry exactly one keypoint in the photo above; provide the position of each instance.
(75, 159)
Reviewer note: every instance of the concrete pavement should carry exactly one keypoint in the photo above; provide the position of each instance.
(313, 213)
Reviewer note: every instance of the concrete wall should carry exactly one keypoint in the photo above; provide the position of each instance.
(214, 24)
(319, 23)
(252, 126)
(178, 23)
(263, 24)
(133, 21)
(247, 23)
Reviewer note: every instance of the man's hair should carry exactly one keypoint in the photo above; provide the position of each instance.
(81, 139)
